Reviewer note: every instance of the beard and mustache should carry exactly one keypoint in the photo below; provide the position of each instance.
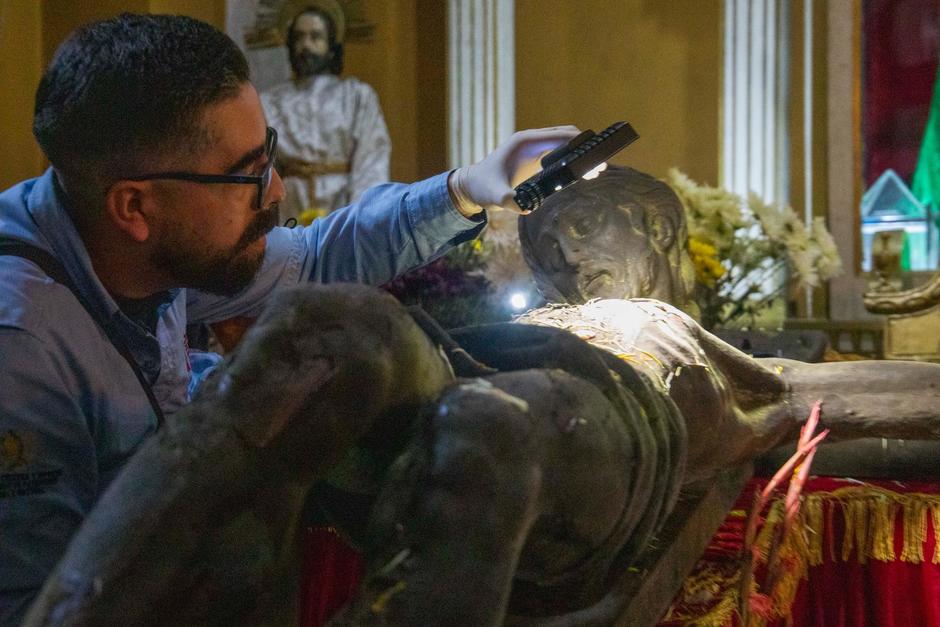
(307, 63)
(225, 273)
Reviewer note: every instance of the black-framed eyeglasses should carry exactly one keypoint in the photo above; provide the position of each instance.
(263, 180)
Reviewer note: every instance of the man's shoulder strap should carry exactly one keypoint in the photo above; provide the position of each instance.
(42, 258)
(56, 271)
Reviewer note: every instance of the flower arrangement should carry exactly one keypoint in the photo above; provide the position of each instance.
(483, 281)
(308, 215)
(453, 289)
(741, 249)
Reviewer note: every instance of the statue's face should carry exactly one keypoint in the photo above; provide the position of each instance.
(310, 45)
(584, 251)
(600, 239)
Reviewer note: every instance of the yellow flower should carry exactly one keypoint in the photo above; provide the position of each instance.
(708, 268)
(308, 215)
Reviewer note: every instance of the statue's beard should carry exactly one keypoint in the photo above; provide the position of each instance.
(600, 282)
(223, 272)
(308, 63)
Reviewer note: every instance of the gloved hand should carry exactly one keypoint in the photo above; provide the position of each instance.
(489, 182)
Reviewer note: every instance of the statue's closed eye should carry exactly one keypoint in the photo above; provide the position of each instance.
(585, 225)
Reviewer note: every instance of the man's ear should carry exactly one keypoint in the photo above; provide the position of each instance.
(124, 204)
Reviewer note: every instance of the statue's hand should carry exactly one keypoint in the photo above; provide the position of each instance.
(489, 183)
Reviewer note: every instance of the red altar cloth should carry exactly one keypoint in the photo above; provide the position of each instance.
(887, 519)
(839, 590)
(331, 571)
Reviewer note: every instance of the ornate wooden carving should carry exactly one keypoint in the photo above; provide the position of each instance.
(912, 330)
(905, 301)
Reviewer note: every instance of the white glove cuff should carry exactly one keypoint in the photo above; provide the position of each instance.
(455, 185)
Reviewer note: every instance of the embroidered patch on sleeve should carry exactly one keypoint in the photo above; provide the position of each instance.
(20, 474)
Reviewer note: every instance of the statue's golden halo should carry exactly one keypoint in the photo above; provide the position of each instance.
(273, 20)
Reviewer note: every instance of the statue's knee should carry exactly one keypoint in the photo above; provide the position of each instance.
(477, 411)
(357, 328)
(482, 444)
(313, 307)
(326, 365)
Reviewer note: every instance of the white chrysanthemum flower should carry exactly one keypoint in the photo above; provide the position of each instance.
(754, 241)
(830, 264)
(803, 261)
(769, 215)
(713, 214)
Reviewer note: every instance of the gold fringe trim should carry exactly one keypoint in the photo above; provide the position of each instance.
(915, 532)
(813, 513)
(793, 556)
(870, 515)
(702, 587)
(774, 517)
(720, 615)
(935, 511)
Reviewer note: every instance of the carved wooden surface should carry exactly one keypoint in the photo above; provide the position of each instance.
(907, 301)
(199, 527)
(641, 596)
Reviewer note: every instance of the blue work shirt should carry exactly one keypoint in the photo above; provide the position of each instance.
(71, 409)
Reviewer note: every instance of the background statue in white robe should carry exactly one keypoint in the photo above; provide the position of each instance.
(333, 143)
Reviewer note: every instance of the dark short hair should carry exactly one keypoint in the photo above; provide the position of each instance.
(336, 61)
(123, 92)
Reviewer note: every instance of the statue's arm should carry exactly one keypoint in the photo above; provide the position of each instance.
(887, 399)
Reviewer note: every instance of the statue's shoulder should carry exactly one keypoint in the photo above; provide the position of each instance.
(277, 91)
(355, 84)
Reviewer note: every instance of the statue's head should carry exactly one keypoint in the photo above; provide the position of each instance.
(621, 235)
(315, 39)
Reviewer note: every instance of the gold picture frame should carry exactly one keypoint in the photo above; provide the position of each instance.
(273, 16)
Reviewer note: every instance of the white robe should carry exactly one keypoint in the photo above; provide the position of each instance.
(328, 121)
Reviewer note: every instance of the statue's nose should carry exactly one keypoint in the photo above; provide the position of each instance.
(559, 256)
(571, 254)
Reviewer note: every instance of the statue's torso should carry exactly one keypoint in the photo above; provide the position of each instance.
(651, 335)
(320, 121)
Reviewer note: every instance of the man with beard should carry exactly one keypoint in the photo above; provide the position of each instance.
(334, 142)
(160, 208)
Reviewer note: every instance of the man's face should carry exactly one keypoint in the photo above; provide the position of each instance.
(212, 237)
(310, 45)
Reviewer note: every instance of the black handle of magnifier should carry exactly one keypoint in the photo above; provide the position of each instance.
(566, 164)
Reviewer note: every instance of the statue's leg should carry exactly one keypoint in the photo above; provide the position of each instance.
(197, 528)
(887, 399)
(527, 475)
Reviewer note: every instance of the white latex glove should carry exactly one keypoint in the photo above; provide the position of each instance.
(489, 182)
